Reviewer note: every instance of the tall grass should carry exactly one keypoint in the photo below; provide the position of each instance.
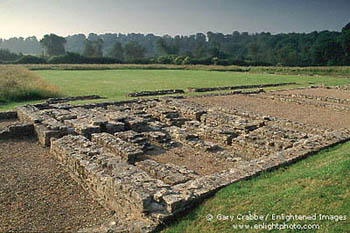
(19, 84)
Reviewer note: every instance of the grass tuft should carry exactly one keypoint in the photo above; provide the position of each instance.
(19, 84)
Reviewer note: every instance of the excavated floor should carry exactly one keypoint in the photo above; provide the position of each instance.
(151, 159)
(321, 92)
(302, 111)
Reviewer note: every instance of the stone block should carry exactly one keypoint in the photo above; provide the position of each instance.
(168, 173)
(127, 150)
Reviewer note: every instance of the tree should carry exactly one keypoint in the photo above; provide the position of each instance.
(75, 43)
(166, 49)
(287, 56)
(134, 51)
(254, 50)
(117, 51)
(6, 55)
(345, 40)
(53, 45)
(93, 48)
(326, 50)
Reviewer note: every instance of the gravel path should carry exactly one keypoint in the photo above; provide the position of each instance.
(37, 195)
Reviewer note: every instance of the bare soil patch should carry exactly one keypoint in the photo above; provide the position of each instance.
(307, 114)
(38, 195)
(199, 161)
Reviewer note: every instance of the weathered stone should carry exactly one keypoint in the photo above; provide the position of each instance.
(168, 173)
(74, 98)
(239, 87)
(8, 115)
(17, 130)
(124, 187)
(135, 138)
(137, 124)
(115, 126)
(158, 136)
(127, 150)
(150, 93)
(83, 127)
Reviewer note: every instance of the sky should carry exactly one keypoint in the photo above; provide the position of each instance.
(173, 17)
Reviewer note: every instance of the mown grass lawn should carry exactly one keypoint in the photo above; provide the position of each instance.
(115, 84)
(317, 185)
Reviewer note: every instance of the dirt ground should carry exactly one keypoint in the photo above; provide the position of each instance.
(307, 114)
(203, 163)
(38, 195)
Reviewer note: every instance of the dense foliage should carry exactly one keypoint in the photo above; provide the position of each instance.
(292, 49)
(53, 44)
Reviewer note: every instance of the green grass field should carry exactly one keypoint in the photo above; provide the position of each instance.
(115, 84)
(317, 185)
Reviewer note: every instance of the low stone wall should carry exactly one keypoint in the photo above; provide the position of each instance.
(323, 102)
(344, 87)
(238, 87)
(8, 115)
(319, 98)
(16, 131)
(160, 92)
(74, 98)
(230, 93)
(118, 185)
(126, 188)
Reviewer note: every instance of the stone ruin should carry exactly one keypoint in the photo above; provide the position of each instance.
(207, 89)
(112, 150)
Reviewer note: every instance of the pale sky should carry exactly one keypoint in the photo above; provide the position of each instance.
(184, 17)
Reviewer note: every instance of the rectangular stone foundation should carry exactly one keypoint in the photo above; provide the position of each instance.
(115, 150)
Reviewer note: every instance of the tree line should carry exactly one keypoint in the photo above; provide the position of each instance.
(292, 49)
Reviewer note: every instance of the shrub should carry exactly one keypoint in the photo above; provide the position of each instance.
(69, 58)
(187, 61)
(6, 55)
(179, 60)
(29, 59)
(165, 60)
(74, 58)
